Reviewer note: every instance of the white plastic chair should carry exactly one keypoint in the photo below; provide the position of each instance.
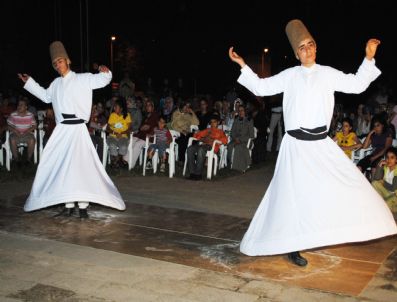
(7, 148)
(106, 154)
(359, 154)
(212, 157)
(172, 151)
(250, 146)
(41, 138)
(145, 152)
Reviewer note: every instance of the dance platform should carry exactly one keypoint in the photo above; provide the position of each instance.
(201, 240)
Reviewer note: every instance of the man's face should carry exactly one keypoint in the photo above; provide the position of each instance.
(306, 52)
(61, 66)
(203, 106)
(241, 112)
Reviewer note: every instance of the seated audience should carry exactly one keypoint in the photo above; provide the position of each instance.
(196, 153)
(380, 139)
(237, 151)
(48, 125)
(203, 114)
(346, 139)
(147, 128)
(182, 119)
(163, 140)
(22, 124)
(385, 179)
(118, 127)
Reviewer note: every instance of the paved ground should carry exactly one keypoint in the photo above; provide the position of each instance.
(39, 264)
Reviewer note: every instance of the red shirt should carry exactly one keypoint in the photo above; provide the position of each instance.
(207, 136)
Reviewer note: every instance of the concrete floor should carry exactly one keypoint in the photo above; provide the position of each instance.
(177, 241)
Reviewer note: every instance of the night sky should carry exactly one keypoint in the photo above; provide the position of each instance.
(190, 39)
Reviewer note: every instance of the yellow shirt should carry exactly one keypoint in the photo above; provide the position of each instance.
(118, 124)
(346, 141)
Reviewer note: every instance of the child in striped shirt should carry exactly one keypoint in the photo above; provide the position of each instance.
(163, 140)
(21, 124)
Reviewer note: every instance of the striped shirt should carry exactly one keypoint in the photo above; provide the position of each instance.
(22, 123)
(162, 135)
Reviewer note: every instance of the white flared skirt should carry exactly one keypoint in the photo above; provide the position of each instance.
(70, 170)
(317, 197)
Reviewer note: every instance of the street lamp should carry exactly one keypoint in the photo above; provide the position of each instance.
(265, 51)
(112, 39)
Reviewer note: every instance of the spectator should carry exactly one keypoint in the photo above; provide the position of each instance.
(237, 151)
(199, 151)
(48, 125)
(203, 115)
(98, 120)
(168, 109)
(136, 114)
(181, 121)
(119, 126)
(380, 139)
(163, 140)
(147, 128)
(385, 180)
(347, 139)
(6, 107)
(22, 124)
(364, 119)
(226, 116)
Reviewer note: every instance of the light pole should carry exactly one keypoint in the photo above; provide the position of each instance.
(265, 51)
(112, 39)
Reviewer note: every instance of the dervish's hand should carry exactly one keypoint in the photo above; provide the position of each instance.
(236, 58)
(24, 77)
(370, 49)
(103, 68)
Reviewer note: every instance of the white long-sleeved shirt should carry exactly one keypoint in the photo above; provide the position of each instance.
(71, 94)
(308, 99)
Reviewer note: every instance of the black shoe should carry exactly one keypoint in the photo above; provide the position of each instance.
(198, 177)
(195, 177)
(83, 213)
(66, 212)
(297, 259)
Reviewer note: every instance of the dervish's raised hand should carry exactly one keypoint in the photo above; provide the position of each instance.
(103, 68)
(371, 48)
(24, 77)
(236, 58)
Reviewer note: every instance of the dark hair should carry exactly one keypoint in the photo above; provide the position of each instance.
(23, 99)
(378, 119)
(123, 105)
(347, 120)
(182, 104)
(392, 150)
(215, 117)
(163, 117)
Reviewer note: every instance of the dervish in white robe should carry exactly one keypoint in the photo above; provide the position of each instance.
(317, 196)
(70, 170)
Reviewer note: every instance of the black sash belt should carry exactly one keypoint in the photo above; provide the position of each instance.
(305, 134)
(71, 119)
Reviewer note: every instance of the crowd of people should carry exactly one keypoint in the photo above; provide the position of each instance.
(126, 116)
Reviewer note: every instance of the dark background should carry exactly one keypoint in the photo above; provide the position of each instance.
(189, 39)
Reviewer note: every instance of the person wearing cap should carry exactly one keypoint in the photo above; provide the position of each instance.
(317, 197)
(70, 170)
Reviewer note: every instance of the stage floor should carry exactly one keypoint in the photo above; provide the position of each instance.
(202, 240)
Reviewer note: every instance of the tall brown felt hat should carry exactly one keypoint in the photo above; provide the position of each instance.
(57, 50)
(296, 33)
